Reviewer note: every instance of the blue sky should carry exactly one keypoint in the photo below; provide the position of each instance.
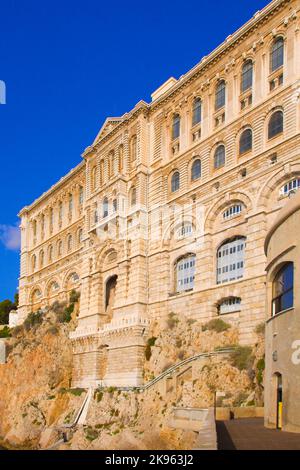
(68, 65)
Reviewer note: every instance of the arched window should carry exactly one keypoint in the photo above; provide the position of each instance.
(33, 263)
(277, 53)
(111, 163)
(275, 126)
(196, 169)
(60, 212)
(41, 259)
(185, 230)
(246, 141)
(121, 156)
(220, 95)
(69, 243)
(283, 289)
(59, 248)
(197, 111)
(102, 172)
(34, 228)
(42, 223)
(94, 178)
(185, 273)
(230, 260)
(292, 186)
(133, 148)
(247, 76)
(232, 211)
(219, 158)
(175, 182)
(176, 126)
(133, 197)
(70, 203)
(80, 235)
(229, 305)
(50, 254)
(80, 195)
(51, 218)
(105, 207)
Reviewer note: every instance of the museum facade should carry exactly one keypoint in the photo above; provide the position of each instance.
(169, 208)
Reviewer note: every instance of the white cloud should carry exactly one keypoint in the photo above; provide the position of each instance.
(10, 237)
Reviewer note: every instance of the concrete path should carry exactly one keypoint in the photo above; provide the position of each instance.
(250, 434)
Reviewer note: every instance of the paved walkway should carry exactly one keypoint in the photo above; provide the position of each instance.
(250, 434)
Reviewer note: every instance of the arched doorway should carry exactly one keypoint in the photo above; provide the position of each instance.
(110, 294)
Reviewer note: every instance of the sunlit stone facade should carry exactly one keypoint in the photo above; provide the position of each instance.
(169, 209)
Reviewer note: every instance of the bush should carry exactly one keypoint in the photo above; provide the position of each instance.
(5, 307)
(5, 332)
(217, 325)
(98, 395)
(58, 307)
(65, 316)
(172, 320)
(74, 296)
(240, 399)
(77, 391)
(260, 367)
(33, 319)
(91, 434)
(53, 330)
(150, 343)
(17, 330)
(242, 358)
(260, 328)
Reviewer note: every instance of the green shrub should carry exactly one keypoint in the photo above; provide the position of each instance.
(58, 307)
(74, 296)
(260, 328)
(5, 332)
(260, 367)
(76, 391)
(17, 330)
(91, 434)
(33, 319)
(98, 395)
(240, 399)
(242, 358)
(217, 325)
(65, 316)
(150, 343)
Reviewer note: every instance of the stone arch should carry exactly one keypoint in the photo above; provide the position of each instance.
(169, 231)
(274, 182)
(35, 298)
(52, 288)
(215, 210)
(109, 251)
(71, 280)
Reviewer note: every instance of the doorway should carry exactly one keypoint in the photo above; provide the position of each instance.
(110, 291)
(279, 402)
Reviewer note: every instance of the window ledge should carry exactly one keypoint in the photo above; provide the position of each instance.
(280, 313)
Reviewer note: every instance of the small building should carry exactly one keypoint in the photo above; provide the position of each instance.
(282, 375)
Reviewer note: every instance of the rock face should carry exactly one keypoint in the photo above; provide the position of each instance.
(36, 399)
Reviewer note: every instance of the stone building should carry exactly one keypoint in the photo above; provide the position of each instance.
(169, 209)
(282, 378)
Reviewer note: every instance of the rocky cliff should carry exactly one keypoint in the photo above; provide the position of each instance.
(37, 401)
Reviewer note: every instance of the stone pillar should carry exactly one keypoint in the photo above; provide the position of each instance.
(126, 341)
